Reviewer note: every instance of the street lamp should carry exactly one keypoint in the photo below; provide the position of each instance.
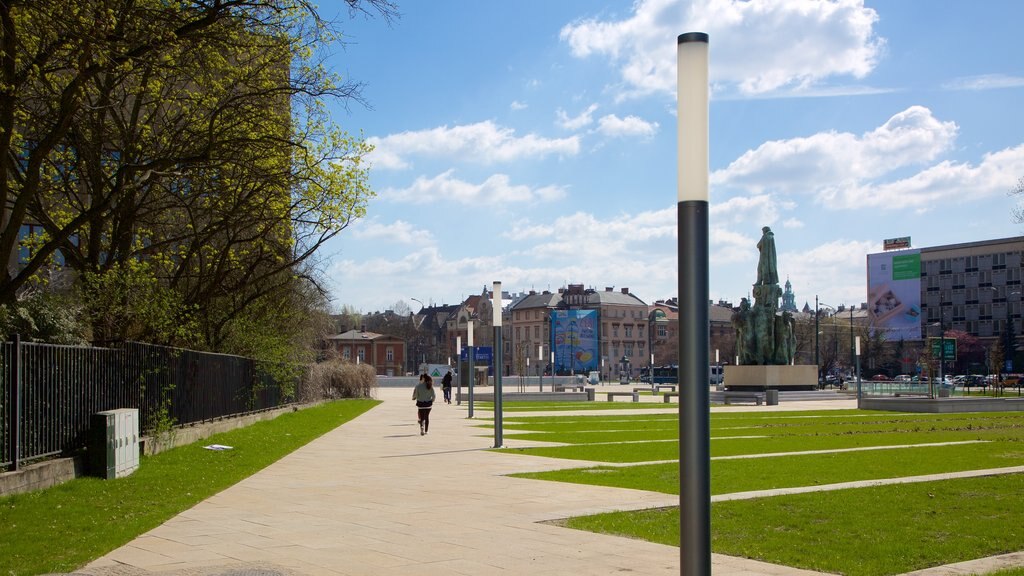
(496, 321)
(540, 366)
(817, 316)
(458, 364)
(857, 351)
(472, 360)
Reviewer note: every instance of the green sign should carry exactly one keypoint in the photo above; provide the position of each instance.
(949, 347)
(906, 267)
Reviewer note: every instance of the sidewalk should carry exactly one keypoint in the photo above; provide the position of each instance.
(373, 497)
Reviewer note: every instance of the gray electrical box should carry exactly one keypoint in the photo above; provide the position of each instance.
(114, 446)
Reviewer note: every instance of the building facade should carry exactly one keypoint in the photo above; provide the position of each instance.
(385, 353)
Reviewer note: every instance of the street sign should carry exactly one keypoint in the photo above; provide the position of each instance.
(481, 355)
(949, 344)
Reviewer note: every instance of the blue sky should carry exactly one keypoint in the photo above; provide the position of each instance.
(533, 142)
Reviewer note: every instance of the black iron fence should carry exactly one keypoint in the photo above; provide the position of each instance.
(49, 392)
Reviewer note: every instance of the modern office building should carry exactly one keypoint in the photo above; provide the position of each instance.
(972, 288)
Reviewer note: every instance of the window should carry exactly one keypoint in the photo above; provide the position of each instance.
(536, 332)
(389, 354)
(361, 354)
(629, 349)
(518, 335)
(629, 331)
(346, 353)
(615, 330)
(662, 330)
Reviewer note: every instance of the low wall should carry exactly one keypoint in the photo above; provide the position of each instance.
(507, 396)
(942, 405)
(56, 471)
(801, 377)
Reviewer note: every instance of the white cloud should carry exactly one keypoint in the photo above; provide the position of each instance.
(985, 82)
(496, 189)
(612, 125)
(517, 105)
(483, 142)
(757, 46)
(828, 161)
(762, 209)
(582, 120)
(398, 231)
(939, 185)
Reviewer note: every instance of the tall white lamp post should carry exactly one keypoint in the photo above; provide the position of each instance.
(694, 417)
(458, 368)
(472, 361)
(496, 307)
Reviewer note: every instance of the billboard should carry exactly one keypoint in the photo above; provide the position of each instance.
(894, 294)
(574, 340)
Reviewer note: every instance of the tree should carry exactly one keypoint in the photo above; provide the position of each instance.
(189, 135)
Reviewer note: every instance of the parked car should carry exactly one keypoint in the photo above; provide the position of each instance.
(880, 378)
(903, 378)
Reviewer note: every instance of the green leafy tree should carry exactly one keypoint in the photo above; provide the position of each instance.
(192, 136)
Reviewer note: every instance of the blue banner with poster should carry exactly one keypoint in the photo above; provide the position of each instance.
(894, 294)
(574, 341)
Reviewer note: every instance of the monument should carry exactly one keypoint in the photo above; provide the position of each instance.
(766, 338)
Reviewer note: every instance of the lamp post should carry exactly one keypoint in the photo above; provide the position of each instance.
(472, 359)
(942, 338)
(692, 222)
(540, 366)
(857, 352)
(496, 320)
(458, 364)
(851, 338)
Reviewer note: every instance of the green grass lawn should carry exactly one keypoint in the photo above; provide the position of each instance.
(742, 475)
(62, 528)
(864, 532)
(872, 531)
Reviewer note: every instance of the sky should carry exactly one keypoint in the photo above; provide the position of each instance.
(534, 142)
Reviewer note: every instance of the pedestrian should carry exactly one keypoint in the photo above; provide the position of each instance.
(446, 387)
(423, 394)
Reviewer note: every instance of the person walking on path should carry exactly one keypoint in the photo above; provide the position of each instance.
(446, 387)
(423, 394)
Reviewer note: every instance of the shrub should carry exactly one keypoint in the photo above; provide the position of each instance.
(339, 379)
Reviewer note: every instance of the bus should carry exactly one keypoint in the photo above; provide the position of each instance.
(670, 375)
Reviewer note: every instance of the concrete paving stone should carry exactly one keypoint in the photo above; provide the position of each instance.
(374, 498)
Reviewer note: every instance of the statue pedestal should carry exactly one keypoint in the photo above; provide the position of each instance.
(801, 377)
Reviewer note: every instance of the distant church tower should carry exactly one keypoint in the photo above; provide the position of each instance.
(788, 298)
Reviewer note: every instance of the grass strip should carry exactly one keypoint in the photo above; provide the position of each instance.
(723, 446)
(89, 517)
(864, 532)
(729, 476)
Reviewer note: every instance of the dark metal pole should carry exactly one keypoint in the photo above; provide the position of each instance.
(851, 338)
(817, 362)
(694, 417)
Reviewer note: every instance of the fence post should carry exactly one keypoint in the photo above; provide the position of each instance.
(14, 413)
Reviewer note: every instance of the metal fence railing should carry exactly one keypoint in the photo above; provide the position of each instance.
(49, 392)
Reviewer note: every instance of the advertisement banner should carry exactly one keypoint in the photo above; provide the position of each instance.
(574, 340)
(894, 294)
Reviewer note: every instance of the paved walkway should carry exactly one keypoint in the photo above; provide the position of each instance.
(373, 497)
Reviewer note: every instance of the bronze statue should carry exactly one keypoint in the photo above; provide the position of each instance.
(762, 335)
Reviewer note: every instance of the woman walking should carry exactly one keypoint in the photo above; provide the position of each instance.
(423, 394)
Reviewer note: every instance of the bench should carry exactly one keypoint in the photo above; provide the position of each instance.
(569, 388)
(669, 395)
(748, 396)
(634, 394)
(669, 387)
